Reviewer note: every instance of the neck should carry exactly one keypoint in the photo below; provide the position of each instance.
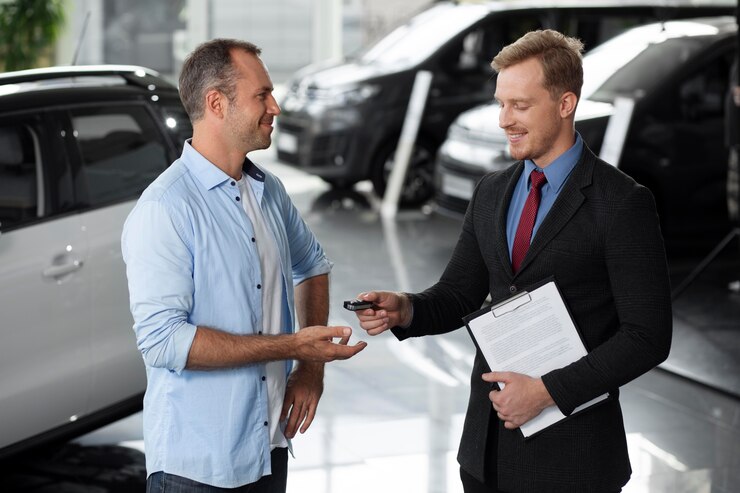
(230, 161)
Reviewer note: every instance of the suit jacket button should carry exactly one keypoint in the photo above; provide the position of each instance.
(512, 289)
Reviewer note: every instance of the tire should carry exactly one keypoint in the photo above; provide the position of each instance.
(418, 186)
(339, 184)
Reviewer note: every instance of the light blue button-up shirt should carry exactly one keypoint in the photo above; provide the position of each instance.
(556, 173)
(191, 260)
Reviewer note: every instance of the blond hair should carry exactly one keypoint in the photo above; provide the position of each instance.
(560, 56)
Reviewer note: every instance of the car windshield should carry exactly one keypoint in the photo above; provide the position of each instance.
(422, 35)
(632, 63)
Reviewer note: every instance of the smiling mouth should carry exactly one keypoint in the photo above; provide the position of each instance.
(512, 136)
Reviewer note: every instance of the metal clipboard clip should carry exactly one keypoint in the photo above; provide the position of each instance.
(508, 306)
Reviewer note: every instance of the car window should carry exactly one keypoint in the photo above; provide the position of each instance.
(122, 152)
(632, 65)
(177, 123)
(423, 35)
(20, 167)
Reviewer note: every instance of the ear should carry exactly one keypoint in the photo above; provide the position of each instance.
(215, 103)
(568, 103)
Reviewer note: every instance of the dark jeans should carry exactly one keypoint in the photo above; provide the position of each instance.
(161, 482)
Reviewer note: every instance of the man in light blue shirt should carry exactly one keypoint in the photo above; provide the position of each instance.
(214, 250)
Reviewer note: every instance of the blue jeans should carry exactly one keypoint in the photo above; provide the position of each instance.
(161, 482)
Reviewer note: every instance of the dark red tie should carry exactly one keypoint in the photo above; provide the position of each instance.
(526, 221)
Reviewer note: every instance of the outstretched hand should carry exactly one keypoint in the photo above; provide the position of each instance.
(389, 310)
(317, 344)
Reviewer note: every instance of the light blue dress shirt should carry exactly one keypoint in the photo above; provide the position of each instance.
(191, 260)
(556, 173)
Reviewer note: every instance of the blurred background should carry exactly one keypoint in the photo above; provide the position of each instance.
(344, 71)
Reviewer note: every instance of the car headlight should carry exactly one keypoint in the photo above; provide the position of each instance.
(458, 132)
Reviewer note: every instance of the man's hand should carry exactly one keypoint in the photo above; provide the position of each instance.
(390, 309)
(315, 344)
(521, 399)
(302, 394)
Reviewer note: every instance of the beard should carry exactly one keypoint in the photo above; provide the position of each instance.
(247, 133)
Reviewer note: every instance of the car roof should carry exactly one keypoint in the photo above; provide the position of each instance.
(57, 86)
(501, 5)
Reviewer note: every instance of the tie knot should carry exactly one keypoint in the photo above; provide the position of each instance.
(538, 179)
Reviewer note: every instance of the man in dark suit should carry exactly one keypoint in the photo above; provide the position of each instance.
(597, 232)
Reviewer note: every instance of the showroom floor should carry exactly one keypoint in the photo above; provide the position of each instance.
(390, 419)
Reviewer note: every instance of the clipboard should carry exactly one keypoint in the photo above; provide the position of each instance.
(531, 333)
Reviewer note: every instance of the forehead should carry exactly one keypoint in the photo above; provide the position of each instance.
(250, 68)
(523, 80)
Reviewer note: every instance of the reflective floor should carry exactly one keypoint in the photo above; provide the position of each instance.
(390, 419)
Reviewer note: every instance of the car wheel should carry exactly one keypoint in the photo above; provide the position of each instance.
(339, 184)
(418, 186)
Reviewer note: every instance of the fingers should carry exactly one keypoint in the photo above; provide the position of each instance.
(497, 376)
(374, 322)
(310, 413)
(346, 352)
(294, 419)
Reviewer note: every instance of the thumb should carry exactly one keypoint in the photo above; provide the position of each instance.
(333, 331)
(496, 376)
(372, 296)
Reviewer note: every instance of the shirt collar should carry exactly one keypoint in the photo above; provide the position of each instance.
(210, 175)
(559, 170)
(252, 170)
(207, 173)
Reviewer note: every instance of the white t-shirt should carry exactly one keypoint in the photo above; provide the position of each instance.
(272, 307)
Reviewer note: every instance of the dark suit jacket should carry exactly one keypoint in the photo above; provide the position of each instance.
(602, 242)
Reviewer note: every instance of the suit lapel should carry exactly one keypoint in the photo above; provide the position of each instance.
(566, 205)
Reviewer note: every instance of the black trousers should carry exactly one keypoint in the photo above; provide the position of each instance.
(471, 484)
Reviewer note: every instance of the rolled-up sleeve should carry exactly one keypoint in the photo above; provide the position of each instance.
(159, 266)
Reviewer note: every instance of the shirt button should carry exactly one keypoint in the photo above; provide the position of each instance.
(253, 240)
(259, 286)
(264, 378)
(233, 183)
(265, 423)
(512, 289)
(260, 332)
(237, 199)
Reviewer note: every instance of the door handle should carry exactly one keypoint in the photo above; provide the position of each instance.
(61, 270)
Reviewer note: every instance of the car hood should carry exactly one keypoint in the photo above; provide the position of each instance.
(335, 73)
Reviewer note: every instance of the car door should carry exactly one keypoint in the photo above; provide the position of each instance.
(121, 151)
(679, 149)
(44, 288)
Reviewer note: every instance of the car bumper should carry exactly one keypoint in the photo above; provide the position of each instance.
(328, 146)
(455, 176)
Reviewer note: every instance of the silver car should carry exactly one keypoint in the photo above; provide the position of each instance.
(77, 147)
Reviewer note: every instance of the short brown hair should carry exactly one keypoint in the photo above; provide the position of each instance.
(208, 67)
(560, 56)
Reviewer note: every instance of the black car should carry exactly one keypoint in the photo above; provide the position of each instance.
(342, 121)
(675, 76)
(77, 147)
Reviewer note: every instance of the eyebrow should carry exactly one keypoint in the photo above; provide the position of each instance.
(516, 100)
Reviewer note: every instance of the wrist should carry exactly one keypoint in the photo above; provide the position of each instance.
(407, 311)
(546, 399)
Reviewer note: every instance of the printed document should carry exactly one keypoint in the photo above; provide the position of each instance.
(531, 333)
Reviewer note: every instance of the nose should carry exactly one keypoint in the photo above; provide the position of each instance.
(272, 106)
(504, 118)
